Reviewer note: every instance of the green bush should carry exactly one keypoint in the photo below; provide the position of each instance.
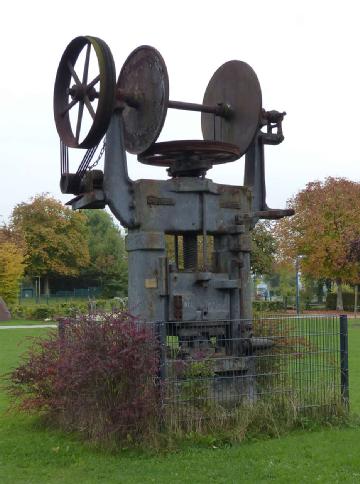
(73, 310)
(268, 306)
(101, 304)
(64, 309)
(40, 312)
(17, 311)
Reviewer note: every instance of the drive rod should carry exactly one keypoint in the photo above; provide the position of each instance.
(223, 110)
(135, 101)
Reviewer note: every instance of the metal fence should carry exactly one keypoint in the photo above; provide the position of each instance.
(222, 369)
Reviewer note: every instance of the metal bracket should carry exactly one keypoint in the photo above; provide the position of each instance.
(254, 176)
(118, 187)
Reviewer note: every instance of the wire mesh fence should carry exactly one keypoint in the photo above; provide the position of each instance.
(220, 370)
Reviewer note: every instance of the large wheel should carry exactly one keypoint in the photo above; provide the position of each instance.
(143, 78)
(235, 85)
(83, 104)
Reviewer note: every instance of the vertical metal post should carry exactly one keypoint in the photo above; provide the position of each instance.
(344, 360)
(297, 286)
(160, 328)
(161, 334)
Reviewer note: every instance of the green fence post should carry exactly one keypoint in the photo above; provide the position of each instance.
(344, 360)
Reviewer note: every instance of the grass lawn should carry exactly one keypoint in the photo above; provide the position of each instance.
(29, 454)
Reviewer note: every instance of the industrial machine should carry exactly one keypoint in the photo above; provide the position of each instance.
(188, 238)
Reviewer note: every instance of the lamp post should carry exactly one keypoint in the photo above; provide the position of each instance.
(20, 292)
(37, 287)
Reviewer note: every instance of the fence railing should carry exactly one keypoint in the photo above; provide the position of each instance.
(215, 370)
(238, 374)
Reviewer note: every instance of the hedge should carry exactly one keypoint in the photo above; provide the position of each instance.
(348, 301)
(268, 306)
(39, 312)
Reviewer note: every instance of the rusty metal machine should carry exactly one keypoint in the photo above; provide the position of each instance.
(204, 279)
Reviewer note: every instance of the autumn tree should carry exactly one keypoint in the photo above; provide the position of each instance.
(56, 238)
(326, 222)
(108, 260)
(11, 264)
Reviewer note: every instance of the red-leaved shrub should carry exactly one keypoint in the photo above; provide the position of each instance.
(99, 377)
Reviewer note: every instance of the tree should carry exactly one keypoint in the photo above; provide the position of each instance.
(326, 221)
(263, 249)
(56, 238)
(11, 265)
(108, 261)
(282, 280)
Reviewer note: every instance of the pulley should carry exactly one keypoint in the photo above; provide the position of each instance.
(90, 97)
(230, 113)
(231, 110)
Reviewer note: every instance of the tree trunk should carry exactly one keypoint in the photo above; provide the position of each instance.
(47, 286)
(356, 299)
(339, 296)
(320, 291)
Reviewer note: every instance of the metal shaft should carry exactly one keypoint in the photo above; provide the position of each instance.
(135, 100)
(223, 110)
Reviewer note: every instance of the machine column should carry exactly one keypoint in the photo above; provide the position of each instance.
(147, 277)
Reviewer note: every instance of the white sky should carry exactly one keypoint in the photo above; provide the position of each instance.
(306, 55)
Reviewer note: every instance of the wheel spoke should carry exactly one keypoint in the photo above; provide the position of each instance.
(94, 81)
(79, 119)
(89, 106)
(73, 73)
(86, 65)
(69, 106)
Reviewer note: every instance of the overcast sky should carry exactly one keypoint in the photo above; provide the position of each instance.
(305, 53)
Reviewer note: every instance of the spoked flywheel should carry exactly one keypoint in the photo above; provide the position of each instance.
(83, 103)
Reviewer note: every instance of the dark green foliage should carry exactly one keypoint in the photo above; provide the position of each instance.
(40, 312)
(268, 306)
(348, 301)
(108, 262)
(263, 249)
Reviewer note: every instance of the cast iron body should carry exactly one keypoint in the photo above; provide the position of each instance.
(200, 285)
(186, 206)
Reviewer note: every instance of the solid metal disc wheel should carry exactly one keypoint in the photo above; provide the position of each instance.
(144, 77)
(235, 85)
(73, 91)
(189, 151)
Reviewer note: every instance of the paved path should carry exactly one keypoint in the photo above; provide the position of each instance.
(29, 326)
